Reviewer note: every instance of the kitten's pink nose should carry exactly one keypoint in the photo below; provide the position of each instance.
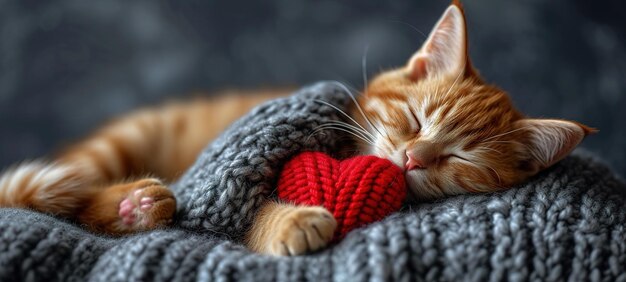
(422, 155)
(413, 163)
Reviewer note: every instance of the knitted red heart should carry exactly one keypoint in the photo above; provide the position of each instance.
(357, 191)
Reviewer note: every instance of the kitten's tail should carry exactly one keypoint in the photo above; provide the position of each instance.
(46, 187)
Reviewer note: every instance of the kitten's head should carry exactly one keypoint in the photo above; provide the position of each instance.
(452, 132)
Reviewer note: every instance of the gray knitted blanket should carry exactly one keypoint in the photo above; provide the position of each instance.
(568, 223)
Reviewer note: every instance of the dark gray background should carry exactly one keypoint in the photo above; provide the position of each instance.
(66, 66)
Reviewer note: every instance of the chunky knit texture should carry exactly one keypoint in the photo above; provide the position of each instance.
(357, 191)
(567, 223)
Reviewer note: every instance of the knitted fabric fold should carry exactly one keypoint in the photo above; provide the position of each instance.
(567, 223)
(223, 189)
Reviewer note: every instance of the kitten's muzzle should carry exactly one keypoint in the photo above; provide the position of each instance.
(413, 163)
(421, 155)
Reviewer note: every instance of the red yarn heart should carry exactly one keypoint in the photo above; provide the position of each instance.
(357, 191)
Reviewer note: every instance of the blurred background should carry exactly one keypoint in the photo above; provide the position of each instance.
(68, 65)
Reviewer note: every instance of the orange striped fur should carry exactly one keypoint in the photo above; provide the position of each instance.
(88, 181)
(435, 117)
(458, 133)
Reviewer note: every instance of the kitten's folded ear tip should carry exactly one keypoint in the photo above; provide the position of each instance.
(457, 3)
(588, 130)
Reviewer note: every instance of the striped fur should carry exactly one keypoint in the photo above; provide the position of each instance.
(90, 180)
(48, 187)
(437, 109)
(436, 117)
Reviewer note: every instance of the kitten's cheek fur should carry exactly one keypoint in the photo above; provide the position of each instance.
(418, 188)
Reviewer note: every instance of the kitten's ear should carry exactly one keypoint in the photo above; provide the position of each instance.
(550, 140)
(445, 50)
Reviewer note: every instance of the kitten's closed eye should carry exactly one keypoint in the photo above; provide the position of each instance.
(452, 132)
(450, 156)
(456, 158)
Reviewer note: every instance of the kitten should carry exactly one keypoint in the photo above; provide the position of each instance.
(434, 117)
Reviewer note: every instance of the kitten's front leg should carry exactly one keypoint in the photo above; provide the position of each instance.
(283, 229)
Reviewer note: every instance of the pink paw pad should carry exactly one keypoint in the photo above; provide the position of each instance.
(126, 211)
(129, 209)
(146, 203)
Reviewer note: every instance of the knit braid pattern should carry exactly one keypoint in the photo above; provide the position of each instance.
(568, 223)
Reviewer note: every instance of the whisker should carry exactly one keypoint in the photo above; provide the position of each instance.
(456, 80)
(321, 128)
(342, 112)
(499, 141)
(411, 26)
(491, 149)
(498, 175)
(348, 127)
(351, 86)
(356, 129)
(484, 165)
(439, 96)
(358, 106)
(364, 66)
(506, 133)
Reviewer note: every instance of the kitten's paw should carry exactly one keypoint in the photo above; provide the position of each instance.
(148, 205)
(305, 229)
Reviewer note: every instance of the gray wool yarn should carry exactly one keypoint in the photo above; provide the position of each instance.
(568, 223)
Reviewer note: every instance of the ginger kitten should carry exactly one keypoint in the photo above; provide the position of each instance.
(453, 132)
(434, 117)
